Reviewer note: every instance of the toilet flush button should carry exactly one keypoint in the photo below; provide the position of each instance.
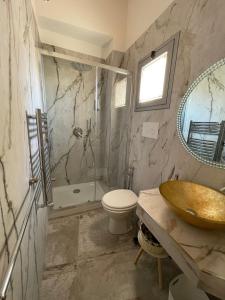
(150, 130)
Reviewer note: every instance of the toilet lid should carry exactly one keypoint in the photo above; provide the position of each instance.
(120, 199)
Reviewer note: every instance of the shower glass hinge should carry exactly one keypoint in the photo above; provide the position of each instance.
(48, 205)
(33, 180)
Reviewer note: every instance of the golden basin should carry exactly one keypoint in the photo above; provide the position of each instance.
(196, 204)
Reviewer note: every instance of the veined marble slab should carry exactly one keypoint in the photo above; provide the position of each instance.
(199, 253)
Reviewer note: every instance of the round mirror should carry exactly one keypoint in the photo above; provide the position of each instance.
(201, 116)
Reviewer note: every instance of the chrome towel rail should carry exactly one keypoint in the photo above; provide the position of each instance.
(37, 129)
(42, 132)
(207, 139)
(12, 262)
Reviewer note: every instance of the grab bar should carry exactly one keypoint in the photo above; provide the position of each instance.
(8, 273)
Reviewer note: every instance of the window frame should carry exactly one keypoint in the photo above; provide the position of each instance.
(170, 46)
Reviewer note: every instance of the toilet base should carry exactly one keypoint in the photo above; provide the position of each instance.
(120, 225)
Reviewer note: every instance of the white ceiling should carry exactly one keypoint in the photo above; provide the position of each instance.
(73, 31)
(95, 27)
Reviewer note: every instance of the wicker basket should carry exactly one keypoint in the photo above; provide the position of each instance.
(150, 248)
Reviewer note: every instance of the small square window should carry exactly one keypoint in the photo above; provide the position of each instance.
(153, 72)
(155, 77)
(120, 92)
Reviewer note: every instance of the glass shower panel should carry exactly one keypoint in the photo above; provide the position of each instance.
(116, 112)
(88, 113)
(70, 95)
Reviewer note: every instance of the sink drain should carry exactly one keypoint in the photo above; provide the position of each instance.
(76, 191)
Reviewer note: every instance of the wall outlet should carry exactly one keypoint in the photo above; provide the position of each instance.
(150, 130)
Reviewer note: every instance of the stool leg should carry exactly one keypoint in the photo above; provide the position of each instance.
(160, 273)
(140, 251)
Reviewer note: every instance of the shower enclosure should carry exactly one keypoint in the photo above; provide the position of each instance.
(88, 115)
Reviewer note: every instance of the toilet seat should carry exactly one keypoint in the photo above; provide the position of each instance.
(118, 210)
(119, 200)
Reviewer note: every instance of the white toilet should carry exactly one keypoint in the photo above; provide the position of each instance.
(119, 204)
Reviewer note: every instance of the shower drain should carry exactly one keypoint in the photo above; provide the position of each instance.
(76, 191)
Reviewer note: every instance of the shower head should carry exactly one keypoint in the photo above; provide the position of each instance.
(81, 67)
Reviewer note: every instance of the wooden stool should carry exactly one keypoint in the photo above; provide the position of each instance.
(155, 251)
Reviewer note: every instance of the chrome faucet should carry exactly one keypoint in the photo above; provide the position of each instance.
(78, 132)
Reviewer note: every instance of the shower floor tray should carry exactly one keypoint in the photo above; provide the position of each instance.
(77, 194)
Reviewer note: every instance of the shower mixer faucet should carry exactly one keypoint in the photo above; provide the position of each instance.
(78, 132)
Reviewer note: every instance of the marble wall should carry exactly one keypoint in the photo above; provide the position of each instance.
(20, 91)
(201, 23)
(70, 94)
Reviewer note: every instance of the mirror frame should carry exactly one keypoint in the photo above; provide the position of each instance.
(209, 70)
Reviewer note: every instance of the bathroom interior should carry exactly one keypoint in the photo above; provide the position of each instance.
(112, 157)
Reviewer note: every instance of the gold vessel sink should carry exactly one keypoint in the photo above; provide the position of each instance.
(196, 204)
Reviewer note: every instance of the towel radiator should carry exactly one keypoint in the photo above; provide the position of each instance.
(37, 128)
(207, 139)
(43, 145)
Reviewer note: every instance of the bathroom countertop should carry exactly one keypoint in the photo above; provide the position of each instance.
(199, 253)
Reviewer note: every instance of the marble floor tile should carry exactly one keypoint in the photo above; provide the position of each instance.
(95, 239)
(60, 284)
(115, 276)
(87, 262)
(62, 242)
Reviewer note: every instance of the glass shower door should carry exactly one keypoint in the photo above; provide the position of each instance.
(115, 114)
(70, 94)
(87, 110)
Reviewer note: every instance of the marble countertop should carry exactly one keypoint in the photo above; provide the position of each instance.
(199, 253)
